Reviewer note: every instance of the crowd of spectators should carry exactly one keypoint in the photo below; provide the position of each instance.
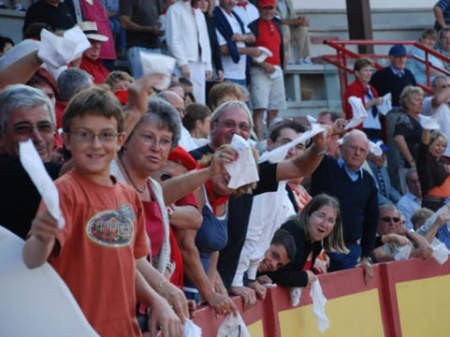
(142, 173)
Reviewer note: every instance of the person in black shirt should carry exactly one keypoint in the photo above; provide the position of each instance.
(25, 113)
(59, 15)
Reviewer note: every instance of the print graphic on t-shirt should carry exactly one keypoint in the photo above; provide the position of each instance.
(112, 228)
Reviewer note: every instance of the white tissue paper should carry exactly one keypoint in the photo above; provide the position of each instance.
(35, 302)
(403, 252)
(34, 166)
(279, 154)
(359, 112)
(242, 171)
(428, 122)
(296, 294)
(277, 73)
(57, 51)
(386, 106)
(375, 148)
(265, 54)
(158, 64)
(440, 251)
(311, 119)
(190, 329)
(319, 301)
(233, 327)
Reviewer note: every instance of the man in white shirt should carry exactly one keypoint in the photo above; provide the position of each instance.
(412, 200)
(233, 37)
(438, 106)
(246, 11)
(188, 41)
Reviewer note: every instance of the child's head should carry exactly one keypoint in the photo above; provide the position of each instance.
(93, 125)
(281, 251)
(438, 143)
(118, 80)
(420, 216)
(96, 102)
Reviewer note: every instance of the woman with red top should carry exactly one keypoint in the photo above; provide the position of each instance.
(267, 84)
(361, 88)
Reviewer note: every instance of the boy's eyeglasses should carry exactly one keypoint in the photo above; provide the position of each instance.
(88, 136)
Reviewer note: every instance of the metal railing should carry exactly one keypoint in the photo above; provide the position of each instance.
(344, 55)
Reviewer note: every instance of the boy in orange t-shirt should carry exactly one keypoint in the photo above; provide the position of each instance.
(104, 236)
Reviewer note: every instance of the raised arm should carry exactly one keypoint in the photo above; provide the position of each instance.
(20, 71)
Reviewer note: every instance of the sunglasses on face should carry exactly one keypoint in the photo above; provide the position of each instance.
(388, 219)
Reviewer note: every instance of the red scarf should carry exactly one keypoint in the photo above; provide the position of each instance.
(214, 200)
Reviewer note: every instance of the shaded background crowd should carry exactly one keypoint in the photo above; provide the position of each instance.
(341, 199)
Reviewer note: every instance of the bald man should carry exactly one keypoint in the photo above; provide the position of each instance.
(356, 191)
(186, 141)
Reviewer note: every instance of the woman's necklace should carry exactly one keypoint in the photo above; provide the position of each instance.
(140, 190)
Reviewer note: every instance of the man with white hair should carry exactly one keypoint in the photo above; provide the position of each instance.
(356, 191)
(26, 113)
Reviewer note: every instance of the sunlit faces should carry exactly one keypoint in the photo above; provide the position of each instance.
(390, 222)
(93, 141)
(267, 13)
(398, 62)
(148, 147)
(364, 74)
(29, 123)
(415, 104)
(437, 148)
(234, 120)
(286, 136)
(321, 223)
(220, 184)
(354, 151)
(93, 53)
(274, 258)
(227, 4)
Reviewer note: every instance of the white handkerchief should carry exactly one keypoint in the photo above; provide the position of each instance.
(319, 301)
(34, 166)
(386, 106)
(233, 327)
(375, 148)
(428, 122)
(158, 64)
(296, 294)
(440, 251)
(279, 154)
(359, 112)
(58, 51)
(311, 119)
(39, 295)
(242, 171)
(190, 329)
(403, 252)
(265, 54)
(277, 73)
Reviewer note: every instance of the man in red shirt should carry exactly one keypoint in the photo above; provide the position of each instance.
(91, 61)
(267, 86)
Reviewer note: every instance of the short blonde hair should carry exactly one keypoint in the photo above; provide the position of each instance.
(407, 94)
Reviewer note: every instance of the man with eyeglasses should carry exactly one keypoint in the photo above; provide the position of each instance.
(233, 117)
(356, 191)
(438, 106)
(25, 113)
(393, 235)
